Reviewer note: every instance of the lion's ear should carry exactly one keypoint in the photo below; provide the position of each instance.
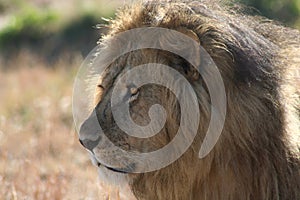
(190, 70)
(189, 33)
(192, 73)
(186, 44)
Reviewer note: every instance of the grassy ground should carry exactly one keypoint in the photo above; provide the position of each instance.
(41, 49)
(40, 156)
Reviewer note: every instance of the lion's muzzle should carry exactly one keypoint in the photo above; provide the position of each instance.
(89, 134)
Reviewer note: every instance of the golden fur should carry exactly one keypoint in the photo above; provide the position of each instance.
(257, 155)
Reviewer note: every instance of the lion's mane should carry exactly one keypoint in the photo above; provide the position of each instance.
(257, 155)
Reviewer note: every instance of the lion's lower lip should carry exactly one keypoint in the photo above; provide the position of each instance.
(113, 169)
(117, 170)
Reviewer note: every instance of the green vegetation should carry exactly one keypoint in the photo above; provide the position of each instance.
(48, 32)
(31, 24)
(286, 11)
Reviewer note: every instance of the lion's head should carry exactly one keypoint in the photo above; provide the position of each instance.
(254, 157)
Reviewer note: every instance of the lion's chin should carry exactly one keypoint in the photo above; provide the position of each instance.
(109, 175)
(112, 177)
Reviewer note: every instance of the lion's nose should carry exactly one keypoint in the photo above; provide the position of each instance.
(90, 132)
(89, 144)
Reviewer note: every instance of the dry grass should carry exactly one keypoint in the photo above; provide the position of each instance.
(40, 156)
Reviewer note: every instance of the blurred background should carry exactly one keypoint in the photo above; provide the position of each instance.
(42, 45)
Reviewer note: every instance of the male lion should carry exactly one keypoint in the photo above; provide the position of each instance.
(257, 155)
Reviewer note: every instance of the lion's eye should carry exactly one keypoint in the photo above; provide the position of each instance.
(133, 93)
(100, 86)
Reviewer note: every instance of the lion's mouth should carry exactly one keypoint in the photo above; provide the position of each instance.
(98, 164)
(118, 170)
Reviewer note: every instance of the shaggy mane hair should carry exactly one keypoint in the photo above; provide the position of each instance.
(257, 155)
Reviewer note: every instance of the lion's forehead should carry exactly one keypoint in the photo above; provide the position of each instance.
(119, 68)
